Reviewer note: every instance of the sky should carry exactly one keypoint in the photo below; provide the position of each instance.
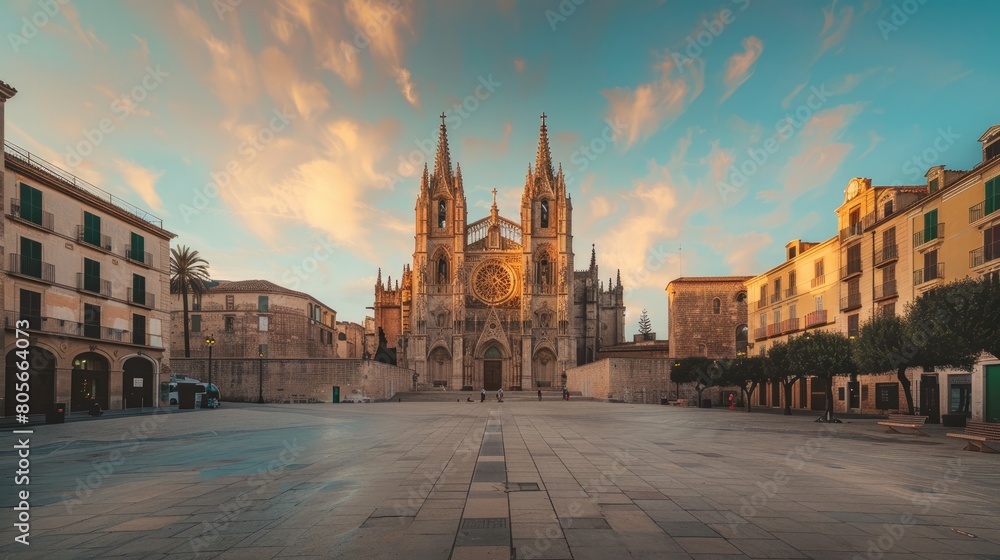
(283, 140)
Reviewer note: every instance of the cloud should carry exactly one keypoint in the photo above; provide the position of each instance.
(601, 207)
(405, 82)
(787, 101)
(644, 110)
(519, 65)
(88, 36)
(477, 146)
(142, 181)
(739, 67)
(874, 140)
(835, 26)
(143, 53)
(384, 26)
(741, 251)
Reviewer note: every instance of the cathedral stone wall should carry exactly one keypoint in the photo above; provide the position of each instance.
(635, 380)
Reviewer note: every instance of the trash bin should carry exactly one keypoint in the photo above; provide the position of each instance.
(56, 414)
(95, 408)
(706, 403)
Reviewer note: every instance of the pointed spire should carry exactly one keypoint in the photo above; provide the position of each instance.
(527, 194)
(458, 178)
(593, 256)
(424, 181)
(619, 284)
(442, 162)
(388, 284)
(378, 281)
(543, 159)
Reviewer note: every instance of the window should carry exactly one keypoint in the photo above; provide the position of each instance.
(442, 213)
(791, 253)
(138, 329)
(261, 304)
(791, 311)
(91, 321)
(819, 303)
(230, 323)
(852, 325)
(316, 313)
(854, 217)
(716, 306)
(888, 309)
(742, 335)
(341, 336)
(91, 229)
(854, 258)
(992, 195)
(991, 243)
(230, 303)
(262, 323)
(31, 204)
(138, 289)
(792, 282)
(933, 186)
(544, 222)
(763, 320)
(818, 269)
(886, 212)
(137, 248)
(442, 272)
(930, 226)
(777, 316)
(31, 309)
(854, 286)
(930, 265)
(991, 151)
(888, 244)
(196, 323)
(91, 276)
(777, 288)
(763, 294)
(31, 258)
(196, 302)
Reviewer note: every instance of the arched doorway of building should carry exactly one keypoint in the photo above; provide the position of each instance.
(41, 380)
(137, 383)
(543, 368)
(492, 369)
(91, 376)
(439, 365)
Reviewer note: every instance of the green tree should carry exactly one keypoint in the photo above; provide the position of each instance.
(645, 328)
(188, 274)
(778, 369)
(700, 371)
(874, 350)
(746, 373)
(823, 354)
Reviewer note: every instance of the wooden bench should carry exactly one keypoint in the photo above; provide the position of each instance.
(977, 434)
(678, 402)
(904, 421)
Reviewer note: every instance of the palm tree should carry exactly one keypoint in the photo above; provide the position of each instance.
(188, 274)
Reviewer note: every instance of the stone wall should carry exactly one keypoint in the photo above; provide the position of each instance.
(238, 378)
(694, 329)
(635, 380)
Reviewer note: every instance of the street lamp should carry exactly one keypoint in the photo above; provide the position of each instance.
(210, 341)
(260, 377)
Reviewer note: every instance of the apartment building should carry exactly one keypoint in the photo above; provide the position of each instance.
(88, 273)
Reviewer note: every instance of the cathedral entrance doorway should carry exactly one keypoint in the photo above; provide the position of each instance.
(492, 374)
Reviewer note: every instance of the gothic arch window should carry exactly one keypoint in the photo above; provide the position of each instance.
(741, 297)
(742, 334)
(442, 212)
(716, 306)
(544, 272)
(544, 221)
(442, 271)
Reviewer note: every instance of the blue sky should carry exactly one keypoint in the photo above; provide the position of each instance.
(273, 137)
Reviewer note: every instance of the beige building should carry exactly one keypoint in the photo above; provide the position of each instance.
(351, 340)
(250, 317)
(88, 274)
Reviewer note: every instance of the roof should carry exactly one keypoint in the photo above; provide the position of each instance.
(6, 90)
(710, 279)
(254, 286)
(990, 133)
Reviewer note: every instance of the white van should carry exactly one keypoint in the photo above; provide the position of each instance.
(171, 389)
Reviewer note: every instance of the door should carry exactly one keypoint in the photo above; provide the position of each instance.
(137, 383)
(930, 399)
(818, 394)
(992, 405)
(854, 390)
(492, 375)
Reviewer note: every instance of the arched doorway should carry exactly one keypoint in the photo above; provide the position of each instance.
(91, 374)
(137, 383)
(439, 366)
(41, 379)
(543, 368)
(492, 369)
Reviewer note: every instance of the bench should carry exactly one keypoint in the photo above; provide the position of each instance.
(678, 402)
(904, 421)
(977, 434)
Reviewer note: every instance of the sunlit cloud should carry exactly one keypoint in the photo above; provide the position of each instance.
(142, 181)
(739, 67)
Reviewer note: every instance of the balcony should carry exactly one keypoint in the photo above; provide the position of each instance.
(100, 241)
(776, 297)
(760, 333)
(850, 232)
(852, 269)
(23, 265)
(886, 290)
(43, 219)
(984, 254)
(773, 330)
(850, 301)
(927, 274)
(980, 211)
(886, 255)
(791, 292)
(818, 281)
(790, 325)
(144, 257)
(869, 220)
(145, 299)
(93, 284)
(928, 235)
(56, 326)
(815, 318)
(762, 302)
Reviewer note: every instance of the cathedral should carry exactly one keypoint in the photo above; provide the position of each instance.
(496, 303)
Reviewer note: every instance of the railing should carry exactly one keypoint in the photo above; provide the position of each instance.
(814, 318)
(869, 220)
(762, 302)
(984, 254)
(852, 268)
(851, 231)
(818, 280)
(886, 289)
(773, 330)
(850, 301)
(776, 297)
(886, 253)
(71, 180)
(93, 284)
(927, 274)
(928, 235)
(477, 231)
(104, 243)
(35, 268)
(145, 299)
(760, 333)
(790, 325)
(64, 327)
(979, 211)
(144, 257)
(47, 219)
(790, 292)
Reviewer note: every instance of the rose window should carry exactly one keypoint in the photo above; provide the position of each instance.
(493, 282)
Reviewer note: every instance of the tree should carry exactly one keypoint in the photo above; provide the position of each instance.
(778, 368)
(645, 328)
(188, 274)
(703, 372)
(823, 354)
(876, 350)
(747, 374)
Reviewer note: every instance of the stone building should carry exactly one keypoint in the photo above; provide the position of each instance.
(496, 302)
(707, 316)
(351, 340)
(86, 278)
(252, 316)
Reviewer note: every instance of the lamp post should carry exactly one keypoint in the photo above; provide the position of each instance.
(210, 341)
(677, 387)
(260, 377)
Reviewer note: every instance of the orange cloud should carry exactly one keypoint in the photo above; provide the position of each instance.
(739, 67)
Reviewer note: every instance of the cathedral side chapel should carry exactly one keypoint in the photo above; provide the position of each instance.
(496, 303)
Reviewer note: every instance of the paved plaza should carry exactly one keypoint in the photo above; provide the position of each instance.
(524, 479)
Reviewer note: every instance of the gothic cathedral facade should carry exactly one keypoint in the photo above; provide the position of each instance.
(496, 303)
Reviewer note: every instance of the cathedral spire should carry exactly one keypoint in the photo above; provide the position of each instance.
(543, 159)
(424, 181)
(378, 281)
(458, 179)
(442, 162)
(593, 256)
(619, 284)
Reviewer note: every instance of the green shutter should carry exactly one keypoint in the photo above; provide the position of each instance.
(992, 195)
(139, 289)
(31, 257)
(91, 229)
(930, 226)
(31, 204)
(91, 276)
(196, 323)
(137, 248)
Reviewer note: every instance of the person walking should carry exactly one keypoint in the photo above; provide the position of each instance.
(539, 394)
(482, 396)
(500, 395)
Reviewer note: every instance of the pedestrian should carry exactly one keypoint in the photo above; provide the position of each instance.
(500, 395)
(482, 396)
(732, 401)
(539, 394)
